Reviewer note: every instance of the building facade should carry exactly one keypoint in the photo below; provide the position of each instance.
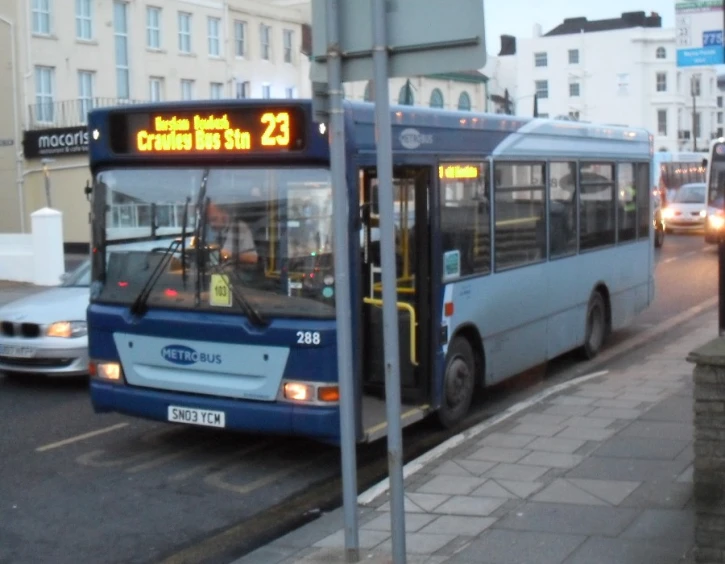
(465, 91)
(620, 71)
(63, 58)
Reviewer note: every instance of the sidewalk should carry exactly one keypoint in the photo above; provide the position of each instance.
(599, 470)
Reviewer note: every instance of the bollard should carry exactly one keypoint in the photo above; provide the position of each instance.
(709, 446)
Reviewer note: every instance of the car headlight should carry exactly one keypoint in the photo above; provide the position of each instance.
(667, 213)
(68, 329)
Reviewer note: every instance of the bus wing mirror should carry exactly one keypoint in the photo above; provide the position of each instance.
(704, 163)
(88, 190)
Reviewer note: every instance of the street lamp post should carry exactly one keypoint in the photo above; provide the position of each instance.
(694, 80)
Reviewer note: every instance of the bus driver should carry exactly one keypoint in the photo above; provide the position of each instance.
(232, 237)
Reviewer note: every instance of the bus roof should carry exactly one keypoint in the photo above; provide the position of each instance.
(416, 130)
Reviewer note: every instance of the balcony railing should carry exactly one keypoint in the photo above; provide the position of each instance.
(69, 113)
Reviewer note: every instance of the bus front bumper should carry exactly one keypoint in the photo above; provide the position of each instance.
(319, 423)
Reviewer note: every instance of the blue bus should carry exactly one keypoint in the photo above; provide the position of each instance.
(715, 163)
(212, 301)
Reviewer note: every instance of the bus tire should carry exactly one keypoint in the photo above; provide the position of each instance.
(459, 382)
(595, 327)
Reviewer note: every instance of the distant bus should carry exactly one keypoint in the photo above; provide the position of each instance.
(715, 162)
(673, 169)
(517, 240)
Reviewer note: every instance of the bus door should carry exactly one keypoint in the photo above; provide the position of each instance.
(411, 187)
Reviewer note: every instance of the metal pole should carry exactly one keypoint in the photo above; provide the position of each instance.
(721, 284)
(694, 114)
(46, 173)
(389, 279)
(340, 205)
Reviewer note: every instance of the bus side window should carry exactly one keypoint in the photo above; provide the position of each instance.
(562, 209)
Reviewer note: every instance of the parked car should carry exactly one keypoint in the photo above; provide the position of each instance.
(46, 333)
(687, 209)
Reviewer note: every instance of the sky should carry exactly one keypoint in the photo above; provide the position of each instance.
(517, 17)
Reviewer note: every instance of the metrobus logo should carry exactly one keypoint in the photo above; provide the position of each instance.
(412, 138)
(186, 356)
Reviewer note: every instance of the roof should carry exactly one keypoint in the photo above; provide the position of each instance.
(627, 20)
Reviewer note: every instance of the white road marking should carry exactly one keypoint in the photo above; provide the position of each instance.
(82, 437)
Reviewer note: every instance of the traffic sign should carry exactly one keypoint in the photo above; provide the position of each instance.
(424, 37)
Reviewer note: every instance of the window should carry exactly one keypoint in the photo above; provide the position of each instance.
(156, 88)
(266, 91)
(573, 56)
(84, 20)
(436, 98)
(464, 102)
(644, 219)
(41, 17)
(562, 209)
(213, 26)
(627, 202)
(573, 89)
(662, 122)
(719, 101)
(596, 196)
(153, 27)
(465, 219)
(661, 53)
(695, 86)
(216, 90)
(520, 236)
(86, 80)
(264, 35)
(369, 94)
(184, 32)
(574, 115)
(661, 82)
(719, 119)
(542, 88)
(44, 90)
(290, 92)
(187, 89)
(240, 38)
(540, 59)
(243, 89)
(405, 96)
(287, 36)
(120, 33)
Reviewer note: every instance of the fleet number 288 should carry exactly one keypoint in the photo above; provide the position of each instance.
(308, 338)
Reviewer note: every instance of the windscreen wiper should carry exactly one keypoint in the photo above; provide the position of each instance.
(138, 307)
(245, 304)
(202, 203)
(185, 220)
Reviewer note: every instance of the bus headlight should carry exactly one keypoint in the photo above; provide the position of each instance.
(106, 371)
(716, 221)
(309, 393)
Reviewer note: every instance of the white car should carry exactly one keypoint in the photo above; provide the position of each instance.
(46, 333)
(687, 209)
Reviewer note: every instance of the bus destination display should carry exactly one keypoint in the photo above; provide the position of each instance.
(249, 130)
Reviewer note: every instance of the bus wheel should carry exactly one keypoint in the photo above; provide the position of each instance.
(458, 383)
(596, 326)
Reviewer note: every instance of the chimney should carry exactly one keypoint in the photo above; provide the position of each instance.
(537, 30)
(508, 45)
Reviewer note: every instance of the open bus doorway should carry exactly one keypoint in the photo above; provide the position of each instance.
(411, 186)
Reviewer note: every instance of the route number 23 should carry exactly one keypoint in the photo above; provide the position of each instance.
(277, 132)
(308, 338)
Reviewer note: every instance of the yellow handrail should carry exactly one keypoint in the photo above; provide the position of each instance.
(413, 324)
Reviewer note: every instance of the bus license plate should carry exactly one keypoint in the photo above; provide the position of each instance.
(16, 352)
(193, 416)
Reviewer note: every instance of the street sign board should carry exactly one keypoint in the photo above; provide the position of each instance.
(424, 37)
(699, 41)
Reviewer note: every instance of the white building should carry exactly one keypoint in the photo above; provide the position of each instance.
(617, 71)
(60, 58)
